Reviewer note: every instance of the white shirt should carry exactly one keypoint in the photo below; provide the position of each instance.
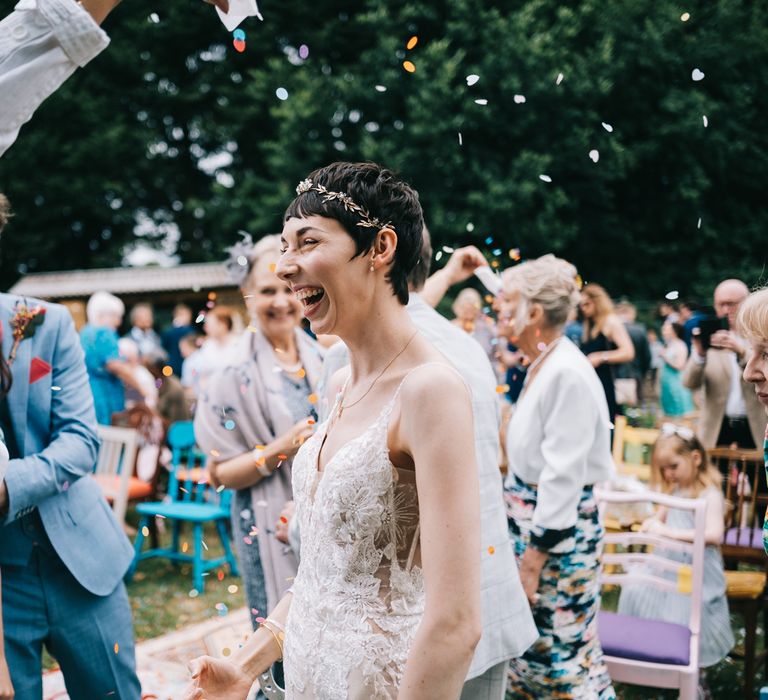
(735, 406)
(560, 436)
(42, 42)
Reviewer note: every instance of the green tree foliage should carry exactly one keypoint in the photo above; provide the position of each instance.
(670, 204)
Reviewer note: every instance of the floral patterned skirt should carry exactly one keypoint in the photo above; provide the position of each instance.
(566, 661)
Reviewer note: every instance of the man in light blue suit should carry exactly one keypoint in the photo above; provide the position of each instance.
(62, 553)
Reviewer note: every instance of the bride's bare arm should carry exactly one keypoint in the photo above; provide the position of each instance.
(231, 679)
(436, 428)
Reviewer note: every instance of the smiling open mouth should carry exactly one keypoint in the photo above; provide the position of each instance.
(310, 295)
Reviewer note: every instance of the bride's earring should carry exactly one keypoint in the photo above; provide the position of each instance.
(370, 269)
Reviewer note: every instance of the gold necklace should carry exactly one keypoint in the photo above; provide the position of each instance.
(341, 406)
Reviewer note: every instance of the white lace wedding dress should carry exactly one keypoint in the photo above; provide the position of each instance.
(358, 596)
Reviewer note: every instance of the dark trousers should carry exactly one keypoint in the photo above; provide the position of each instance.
(736, 430)
(90, 636)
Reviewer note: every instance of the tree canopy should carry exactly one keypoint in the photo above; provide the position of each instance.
(600, 140)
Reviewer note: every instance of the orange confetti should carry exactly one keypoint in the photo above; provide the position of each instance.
(491, 550)
(272, 267)
(282, 457)
(312, 398)
(301, 373)
(226, 651)
(167, 371)
(260, 447)
(283, 520)
(310, 421)
(411, 43)
(408, 65)
(212, 295)
(184, 546)
(502, 388)
(220, 575)
(117, 647)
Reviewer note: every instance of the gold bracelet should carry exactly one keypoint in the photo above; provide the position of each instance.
(277, 639)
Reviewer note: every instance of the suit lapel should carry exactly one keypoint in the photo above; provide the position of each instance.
(18, 396)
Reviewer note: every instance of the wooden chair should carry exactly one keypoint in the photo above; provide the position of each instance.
(114, 466)
(745, 503)
(654, 653)
(190, 499)
(632, 448)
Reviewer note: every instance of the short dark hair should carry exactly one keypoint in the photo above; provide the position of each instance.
(418, 277)
(384, 196)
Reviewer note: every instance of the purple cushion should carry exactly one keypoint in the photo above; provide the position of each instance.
(636, 638)
(740, 537)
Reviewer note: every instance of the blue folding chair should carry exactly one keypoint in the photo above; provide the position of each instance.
(191, 499)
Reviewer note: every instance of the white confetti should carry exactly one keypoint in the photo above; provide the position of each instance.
(698, 225)
(685, 16)
(697, 75)
(470, 227)
(607, 127)
(381, 88)
(448, 249)
(461, 143)
(559, 80)
(55, 388)
(281, 93)
(705, 120)
(481, 101)
(672, 296)
(594, 154)
(439, 255)
(545, 178)
(519, 99)
(472, 79)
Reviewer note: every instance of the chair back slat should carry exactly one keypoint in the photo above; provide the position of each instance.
(188, 481)
(115, 465)
(632, 448)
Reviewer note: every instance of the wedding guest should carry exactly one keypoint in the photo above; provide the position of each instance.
(107, 371)
(386, 602)
(730, 411)
(62, 553)
(637, 369)
(269, 400)
(679, 467)
(676, 400)
(172, 403)
(47, 41)
(142, 332)
(507, 631)
(129, 353)
(468, 310)
(189, 347)
(181, 326)
(220, 348)
(657, 361)
(604, 339)
(753, 324)
(558, 447)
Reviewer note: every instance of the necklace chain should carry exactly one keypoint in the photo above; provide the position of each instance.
(373, 383)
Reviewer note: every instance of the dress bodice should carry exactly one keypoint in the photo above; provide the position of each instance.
(358, 596)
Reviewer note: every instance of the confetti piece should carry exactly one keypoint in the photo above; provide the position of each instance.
(697, 75)
(502, 388)
(239, 45)
(283, 520)
(117, 647)
(254, 611)
(607, 127)
(559, 80)
(312, 398)
(448, 249)
(672, 295)
(685, 16)
(491, 550)
(261, 620)
(281, 94)
(65, 486)
(145, 531)
(55, 388)
(496, 252)
(545, 178)
(489, 240)
(310, 421)
(220, 575)
(705, 120)
(698, 225)
(272, 267)
(514, 253)
(481, 101)
(594, 155)
(472, 79)
(409, 66)
(303, 52)
(185, 547)
(239, 34)
(282, 457)
(205, 546)
(194, 593)
(220, 488)
(229, 425)
(438, 255)
(460, 141)
(301, 373)
(412, 42)
(226, 651)
(381, 88)
(200, 317)
(232, 588)
(519, 99)
(247, 540)
(470, 227)
(242, 260)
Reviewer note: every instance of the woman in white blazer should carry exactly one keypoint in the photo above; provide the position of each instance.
(558, 446)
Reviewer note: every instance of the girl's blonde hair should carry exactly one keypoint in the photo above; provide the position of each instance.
(752, 320)
(603, 309)
(684, 441)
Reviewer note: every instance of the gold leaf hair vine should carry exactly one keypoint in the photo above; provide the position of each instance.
(366, 220)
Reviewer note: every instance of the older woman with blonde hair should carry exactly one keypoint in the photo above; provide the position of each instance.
(604, 339)
(752, 322)
(558, 447)
(253, 415)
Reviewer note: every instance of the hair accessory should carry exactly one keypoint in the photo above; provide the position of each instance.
(366, 220)
(681, 431)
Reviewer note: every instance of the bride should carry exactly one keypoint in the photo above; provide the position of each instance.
(386, 602)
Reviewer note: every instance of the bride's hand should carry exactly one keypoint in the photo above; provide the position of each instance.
(223, 5)
(217, 678)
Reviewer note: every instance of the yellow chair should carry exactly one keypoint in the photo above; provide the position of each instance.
(632, 449)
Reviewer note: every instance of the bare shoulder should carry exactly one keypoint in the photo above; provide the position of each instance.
(337, 381)
(435, 386)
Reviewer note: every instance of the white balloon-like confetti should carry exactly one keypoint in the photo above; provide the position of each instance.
(281, 94)
(381, 88)
(559, 80)
(607, 127)
(705, 120)
(461, 142)
(481, 101)
(472, 79)
(697, 75)
(698, 225)
(685, 16)
(519, 99)
(671, 296)
(545, 178)
(594, 154)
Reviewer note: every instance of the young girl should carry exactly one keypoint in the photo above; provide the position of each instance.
(679, 467)
(676, 400)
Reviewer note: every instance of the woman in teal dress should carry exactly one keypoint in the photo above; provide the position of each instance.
(752, 323)
(676, 400)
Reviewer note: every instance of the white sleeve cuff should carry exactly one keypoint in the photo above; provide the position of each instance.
(75, 30)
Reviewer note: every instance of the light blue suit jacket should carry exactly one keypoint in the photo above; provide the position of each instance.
(55, 429)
